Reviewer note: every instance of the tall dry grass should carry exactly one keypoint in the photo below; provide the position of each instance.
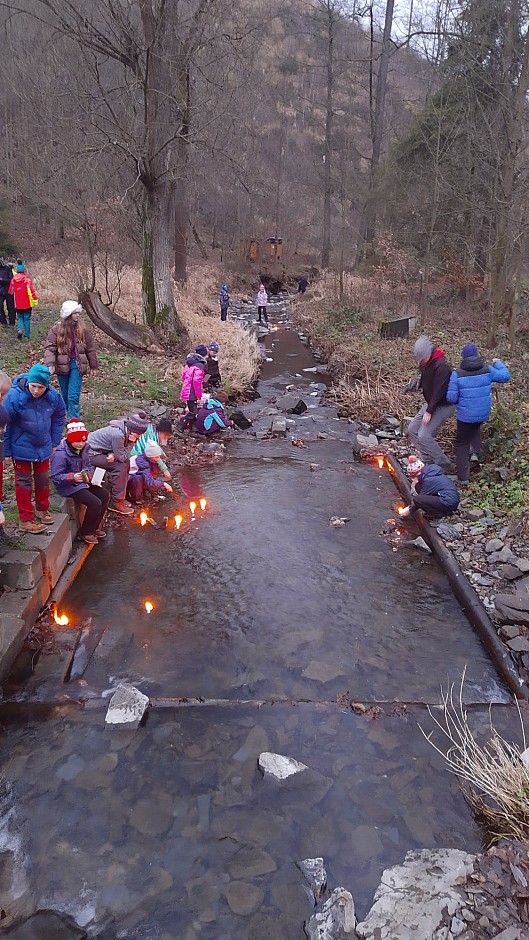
(196, 304)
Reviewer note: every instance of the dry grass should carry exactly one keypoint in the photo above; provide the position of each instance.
(372, 398)
(494, 776)
(196, 305)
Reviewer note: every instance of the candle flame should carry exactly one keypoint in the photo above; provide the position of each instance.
(149, 606)
(192, 507)
(62, 620)
(203, 503)
(381, 462)
(178, 521)
(402, 510)
(144, 518)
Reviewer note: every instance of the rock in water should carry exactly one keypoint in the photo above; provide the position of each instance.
(279, 425)
(240, 420)
(278, 766)
(127, 706)
(417, 893)
(337, 521)
(291, 403)
(421, 544)
(46, 925)
(336, 920)
(315, 874)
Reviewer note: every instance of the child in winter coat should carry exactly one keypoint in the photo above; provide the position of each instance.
(110, 449)
(22, 289)
(262, 301)
(144, 473)
(159, 434)
(224, 301)
(5, 385)
(434, 493)
(212, 378)
(35, 422)
(192, 378)
(435, 375)
(470, 388)
(69, 352)
(71, 472)
(211, 417)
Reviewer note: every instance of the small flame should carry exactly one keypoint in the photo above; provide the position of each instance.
(192, 507)
(402, 509)
(178, 521)
(144, 518)
(149, 606)
(203, 503)
(381, 462)
(62, 620)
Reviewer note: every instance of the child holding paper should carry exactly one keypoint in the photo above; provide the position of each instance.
(71, 472)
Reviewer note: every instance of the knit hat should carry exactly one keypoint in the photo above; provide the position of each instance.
(201, 350)
(136, 424)
(469, 350)
(69, 307)
(415, 465)
(164, 426)
(20, 267)
(213, 346)
(39, 375)
(76, 432)
(153, 450)
(423, 348)
(220, 396)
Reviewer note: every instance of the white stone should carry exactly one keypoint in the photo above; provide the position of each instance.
(314, 871)
(411, 897)
(457, 926)
(278, 766)
(336, 919)
(127, 706)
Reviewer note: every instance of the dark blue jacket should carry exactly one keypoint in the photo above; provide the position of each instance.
(470, 388)
(64, 463)
(149, 471)
(35, 424)
(433, 482)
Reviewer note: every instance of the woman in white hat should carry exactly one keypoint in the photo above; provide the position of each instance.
(69, 352)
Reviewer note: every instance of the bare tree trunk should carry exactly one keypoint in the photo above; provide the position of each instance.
(129, 334)
(327, 166)
(180, 226)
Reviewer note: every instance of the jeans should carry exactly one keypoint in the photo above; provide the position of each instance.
(24, 322)
(118, 470)
(95, 498)
(423, 439)
(9, 302)
(223, 313)
(24, 470)
(70, 385)
(468, 438)
(261, 310)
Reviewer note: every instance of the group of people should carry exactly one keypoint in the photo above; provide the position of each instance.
(202, 392)
(17, 297)
(466, 392)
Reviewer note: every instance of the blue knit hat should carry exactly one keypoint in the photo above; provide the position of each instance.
(39, 374)
(201, 350)
(21, 267)
(469, 350)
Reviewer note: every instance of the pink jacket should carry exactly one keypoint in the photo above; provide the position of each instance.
(192, 378)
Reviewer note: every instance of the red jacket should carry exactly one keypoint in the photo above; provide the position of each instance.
(24, 292)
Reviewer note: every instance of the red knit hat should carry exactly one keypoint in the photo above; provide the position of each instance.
(76, 432)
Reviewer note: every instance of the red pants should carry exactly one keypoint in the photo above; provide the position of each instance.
(23, 487)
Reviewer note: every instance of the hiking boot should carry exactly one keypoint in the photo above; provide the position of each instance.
(45, 516)
(121, 506)
(101, 534)
(33, 528)
(89, 539)
(19, 334)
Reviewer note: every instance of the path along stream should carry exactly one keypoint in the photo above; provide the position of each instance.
(170, 831)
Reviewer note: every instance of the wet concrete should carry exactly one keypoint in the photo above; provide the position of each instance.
(170, 831)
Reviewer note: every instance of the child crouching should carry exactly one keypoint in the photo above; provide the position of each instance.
(144, 472)
(211, 417)
(434, 493)
(71, 472)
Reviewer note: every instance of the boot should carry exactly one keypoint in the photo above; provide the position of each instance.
(45, 516)
(32, 527)
(121, 506)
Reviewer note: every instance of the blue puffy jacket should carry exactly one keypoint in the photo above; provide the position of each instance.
(433, 482)
(35, 424)
(470, 388)
(64, 463)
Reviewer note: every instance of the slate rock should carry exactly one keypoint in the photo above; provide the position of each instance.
(278, 766)
(522, 564)
(518, 644)
(244, 898)
(475, 514)
(127, 706)
(361, 441)
(315, 874)
(240, 420)
(46, 925)
(336, 920)
(510, 572)
(513, 608)
(391, 422)
(279, 425)
(292, 404)
(509, 631)
(448, 532)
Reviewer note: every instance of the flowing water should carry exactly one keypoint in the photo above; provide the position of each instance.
(170, 831)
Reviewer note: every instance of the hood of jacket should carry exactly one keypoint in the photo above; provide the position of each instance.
(472, 363)
(119, 423)
(194, 359)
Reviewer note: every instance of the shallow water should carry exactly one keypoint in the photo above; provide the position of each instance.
(170, 831)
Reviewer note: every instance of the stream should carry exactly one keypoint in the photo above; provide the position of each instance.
(170, 832)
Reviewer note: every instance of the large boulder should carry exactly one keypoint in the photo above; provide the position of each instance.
(293, 404)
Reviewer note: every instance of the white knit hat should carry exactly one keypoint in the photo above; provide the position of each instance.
(152, 449)
(69, 307)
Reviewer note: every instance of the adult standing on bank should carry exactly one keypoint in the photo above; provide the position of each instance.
(224, 301)
(262, 302)
(6, 299)
(69, 352)
(435, 376)
(21, 288)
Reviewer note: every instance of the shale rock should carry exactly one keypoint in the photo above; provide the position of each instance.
(336, 920)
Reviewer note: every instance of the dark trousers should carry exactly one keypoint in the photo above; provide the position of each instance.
(223, 313)
(430, 505)
(95, 498)
(9, 302)
(189, 420)
(135, 487)
(468, 437)
(118, 470)
(261, 310)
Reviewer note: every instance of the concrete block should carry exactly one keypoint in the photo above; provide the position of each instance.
(18, 612)
(21, 570)
(279, 425)
(54, 545)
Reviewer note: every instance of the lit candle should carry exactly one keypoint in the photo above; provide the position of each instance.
(61, 620)
(203, 503)
(404, 510)
(381, 462)
(192, 507)
(144, 518)
(149, 606)
(178, 521)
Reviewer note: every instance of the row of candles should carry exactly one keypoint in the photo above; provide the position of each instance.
(402, 510)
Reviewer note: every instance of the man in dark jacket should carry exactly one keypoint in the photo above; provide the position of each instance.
(435, 376)
(7, 299)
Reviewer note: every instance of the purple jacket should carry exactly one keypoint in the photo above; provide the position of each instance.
(149, 471)
(64, 463)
